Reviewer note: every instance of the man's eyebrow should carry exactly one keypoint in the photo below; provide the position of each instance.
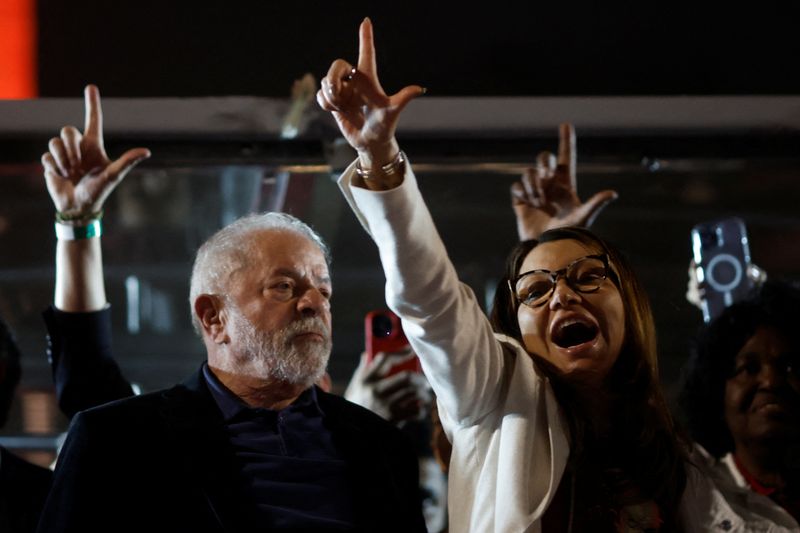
(292, 273)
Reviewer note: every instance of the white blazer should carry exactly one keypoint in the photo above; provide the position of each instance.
(509, 435)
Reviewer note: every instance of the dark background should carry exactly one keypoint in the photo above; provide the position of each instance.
(148, 48)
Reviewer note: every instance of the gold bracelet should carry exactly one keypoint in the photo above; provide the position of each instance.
(393, 167)
(78, 219)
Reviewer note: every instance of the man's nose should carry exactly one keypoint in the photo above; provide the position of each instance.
(563, 294)
(312, 302)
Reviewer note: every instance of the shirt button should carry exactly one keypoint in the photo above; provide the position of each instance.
(725, 525)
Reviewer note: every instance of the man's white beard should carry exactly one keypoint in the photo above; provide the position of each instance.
(274, 355)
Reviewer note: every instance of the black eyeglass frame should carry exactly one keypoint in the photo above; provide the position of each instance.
(561, 273)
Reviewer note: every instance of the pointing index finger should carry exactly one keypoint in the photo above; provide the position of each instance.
(567, 153)
(366, 49)
(94, 112)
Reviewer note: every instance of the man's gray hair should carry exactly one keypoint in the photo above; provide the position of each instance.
(225, 252)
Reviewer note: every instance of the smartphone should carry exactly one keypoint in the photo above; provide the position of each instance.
(384, 333)
(722, 258)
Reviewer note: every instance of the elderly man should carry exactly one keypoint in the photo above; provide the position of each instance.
(248, 443)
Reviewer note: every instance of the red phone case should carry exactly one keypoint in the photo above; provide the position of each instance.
(384, 333)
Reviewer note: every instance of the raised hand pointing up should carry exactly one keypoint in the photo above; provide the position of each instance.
(546, 196)
(79, 177)
(77, 170)
(366, 115)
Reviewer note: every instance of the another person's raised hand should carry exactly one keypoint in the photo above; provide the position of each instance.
(696, 291)
(397, 397)
(546, 196)
(78, 173)
(366, 115)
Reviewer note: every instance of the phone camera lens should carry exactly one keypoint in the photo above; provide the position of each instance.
(709, 239)
(381, 326)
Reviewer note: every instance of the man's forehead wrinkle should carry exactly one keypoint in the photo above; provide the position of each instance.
(294, 232)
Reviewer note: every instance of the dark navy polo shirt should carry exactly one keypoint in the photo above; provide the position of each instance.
(288, 465)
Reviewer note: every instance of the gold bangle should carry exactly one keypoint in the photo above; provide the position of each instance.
(390, 168)
(78, 219)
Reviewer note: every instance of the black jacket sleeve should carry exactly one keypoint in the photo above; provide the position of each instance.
(84, 371)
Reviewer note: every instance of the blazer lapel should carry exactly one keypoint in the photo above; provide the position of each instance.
(195, 427)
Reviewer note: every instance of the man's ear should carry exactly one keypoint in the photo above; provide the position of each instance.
(210, 311)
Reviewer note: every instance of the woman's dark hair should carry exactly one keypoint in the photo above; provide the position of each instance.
(711, 362)
(644, 441)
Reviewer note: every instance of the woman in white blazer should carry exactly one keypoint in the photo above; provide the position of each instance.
(553, 408)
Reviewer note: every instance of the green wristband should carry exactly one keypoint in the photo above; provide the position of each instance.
(68, 232)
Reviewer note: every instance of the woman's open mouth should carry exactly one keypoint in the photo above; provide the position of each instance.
(573, 331)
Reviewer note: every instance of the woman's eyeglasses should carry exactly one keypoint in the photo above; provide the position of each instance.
(535, 287)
